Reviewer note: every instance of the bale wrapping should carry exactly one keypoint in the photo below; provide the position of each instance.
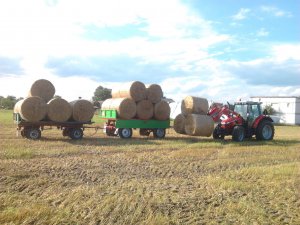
(199, 125)
(144, 110)
(43, 89)
(162, 110)
(135, 90)
(154, 93)
(194, 105)
(125, 107)
(59, 110)
(179, 124)
(82, 110)
(31, 109)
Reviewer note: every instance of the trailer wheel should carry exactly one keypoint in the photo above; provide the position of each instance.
(33, 133)
(76, 133)
(159, 133)
(125, 132)
(238, 133)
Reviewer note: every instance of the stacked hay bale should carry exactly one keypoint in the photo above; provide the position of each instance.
(41, 105)
(193, 119)
(135, 100)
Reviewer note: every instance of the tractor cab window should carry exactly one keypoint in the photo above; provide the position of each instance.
(254, 112)
(242, 110)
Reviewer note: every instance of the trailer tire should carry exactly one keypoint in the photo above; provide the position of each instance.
(159, 133)
(76, 133)
(33, 133)
(125, 132)
(238, 133)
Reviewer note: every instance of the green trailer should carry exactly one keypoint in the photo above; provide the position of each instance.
(123, 128)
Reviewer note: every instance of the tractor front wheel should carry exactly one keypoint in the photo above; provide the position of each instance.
(265, 131)
(217, 135)
(238, 133)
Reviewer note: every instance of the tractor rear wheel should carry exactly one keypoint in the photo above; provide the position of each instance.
(265, 131)
(238, 133)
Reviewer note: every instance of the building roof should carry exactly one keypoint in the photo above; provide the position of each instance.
(275, 97)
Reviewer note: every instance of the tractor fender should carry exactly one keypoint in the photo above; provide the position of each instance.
(260, 119)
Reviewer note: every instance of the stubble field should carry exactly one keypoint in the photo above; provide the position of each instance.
(178, 180)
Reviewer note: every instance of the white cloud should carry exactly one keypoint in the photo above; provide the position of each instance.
(242, 14)
(283, 52)
(262, 32)
(276, 11)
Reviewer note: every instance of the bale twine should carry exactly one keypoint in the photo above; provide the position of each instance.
(43, 89)
(179, 124)
(135, 90)
(59, 110)
(144, 110)
(125, 107)
(199, 125)
(162, 110)
(154, 93)
(31, 109)
(194, 105)
(82, 110)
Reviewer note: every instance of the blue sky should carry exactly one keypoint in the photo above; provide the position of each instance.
(221, 50)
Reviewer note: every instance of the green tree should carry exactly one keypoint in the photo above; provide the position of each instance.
(269, 110)
(8, 102)
(101, 94)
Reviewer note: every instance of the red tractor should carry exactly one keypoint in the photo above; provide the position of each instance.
(241, 120)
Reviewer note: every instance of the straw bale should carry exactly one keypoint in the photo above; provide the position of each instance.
(179, 124)
(199, 125)
(135, 90)
(162, 110)
(125, 107)
(194, 105)
(154, 93)
(144, 110)
(43, 89)
(82, 110)
(59, 110)
(31, 109)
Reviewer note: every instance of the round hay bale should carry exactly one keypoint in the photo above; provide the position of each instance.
(179, 124)
(194, 105)
(82, 110)
(135, 90)
(154, 93)
(125, 107)
(162, 110)
(43, 89)
(59, 110)
(199, 125)
(144, 110)
(31, 109)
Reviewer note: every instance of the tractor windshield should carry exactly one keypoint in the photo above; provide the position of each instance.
(242, 110)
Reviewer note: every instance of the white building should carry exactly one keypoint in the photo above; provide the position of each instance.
(287, 109)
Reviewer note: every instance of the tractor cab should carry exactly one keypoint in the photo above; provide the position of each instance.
(250, 111)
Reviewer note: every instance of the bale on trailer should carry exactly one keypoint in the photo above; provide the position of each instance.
(43, 89)
(154, 93)
(179, 124)
(144, 110)
(59, 110)
(135, 90)
(162, 110)
(194, 105)
(31, 109)
(125, 107)
(199, 125)
(82, 110)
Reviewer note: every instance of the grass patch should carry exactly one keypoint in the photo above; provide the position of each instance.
(178, 180)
